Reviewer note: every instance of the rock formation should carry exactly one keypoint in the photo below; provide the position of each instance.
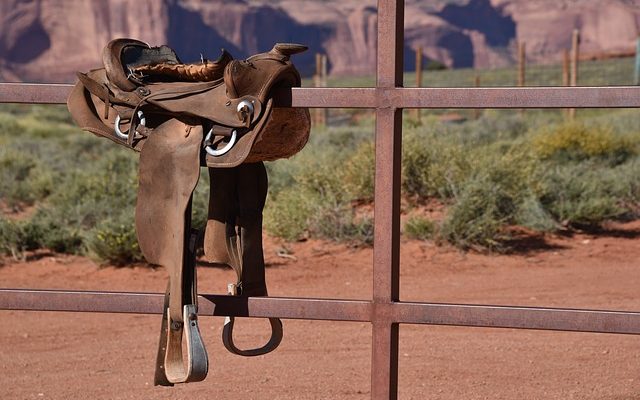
(48, 40)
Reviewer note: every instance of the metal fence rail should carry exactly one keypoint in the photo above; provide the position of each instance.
(384, 311)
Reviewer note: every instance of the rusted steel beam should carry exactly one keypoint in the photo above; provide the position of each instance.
(513, 317)
(328, 97)
(388, 164)
(386, 247)
(151, 303)
(555, 319)
(390, 56)
(514, 97)
(384, 360)
(494, 97)
(35, 93)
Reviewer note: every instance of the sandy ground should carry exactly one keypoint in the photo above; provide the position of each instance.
(110, 356)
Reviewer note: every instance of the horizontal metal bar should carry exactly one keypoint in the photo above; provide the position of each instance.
(34, 93)
(516, 97)
(211, 305)
(495, 97)
(557, 319)
(331, 98)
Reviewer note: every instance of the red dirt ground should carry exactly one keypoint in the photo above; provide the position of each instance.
(111, 356)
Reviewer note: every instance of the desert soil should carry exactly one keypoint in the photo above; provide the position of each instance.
(48, 355)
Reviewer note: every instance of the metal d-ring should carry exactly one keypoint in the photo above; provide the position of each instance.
(124, 136)
(225, 149)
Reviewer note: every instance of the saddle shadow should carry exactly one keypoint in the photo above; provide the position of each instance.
(613, 232)
(206, 264)
(282, 97)
(529, 243)
(228, 305)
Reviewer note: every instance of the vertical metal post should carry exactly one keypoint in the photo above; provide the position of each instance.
(416, 111)
(637, 69)
(386, 251)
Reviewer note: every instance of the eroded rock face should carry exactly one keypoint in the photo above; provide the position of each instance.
(48, 40)
(606, 26)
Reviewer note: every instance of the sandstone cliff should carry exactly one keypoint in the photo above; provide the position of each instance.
(48, 40)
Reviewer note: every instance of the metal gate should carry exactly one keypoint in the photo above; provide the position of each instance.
(384, 311)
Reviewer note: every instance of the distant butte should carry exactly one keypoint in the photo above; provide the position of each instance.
(50, 40)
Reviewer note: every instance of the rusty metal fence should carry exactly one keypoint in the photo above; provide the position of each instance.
(384, 311)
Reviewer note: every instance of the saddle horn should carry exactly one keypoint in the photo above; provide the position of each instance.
(288, 49)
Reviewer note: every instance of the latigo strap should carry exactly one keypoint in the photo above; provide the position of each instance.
(237, 198)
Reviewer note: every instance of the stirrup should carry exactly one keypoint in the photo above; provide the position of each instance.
(227, 335)
(197, 360)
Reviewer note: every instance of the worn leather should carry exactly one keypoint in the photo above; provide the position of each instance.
(181, 117)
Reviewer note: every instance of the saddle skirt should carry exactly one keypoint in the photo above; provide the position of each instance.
(219, 114)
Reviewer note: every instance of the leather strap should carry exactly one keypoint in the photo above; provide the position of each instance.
(234, 237)
(169, 171)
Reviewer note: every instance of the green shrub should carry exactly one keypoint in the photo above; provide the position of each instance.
(489, 201)
(478, 216)
(339, 222)
(10, 238)
(287, 214)
(359, 172)
(23, 179)
(432, 167)
(114, 241)
(9, 126)
(585, 194)
(45, 230)
(532, 214)
(420, 228)
(575, 141)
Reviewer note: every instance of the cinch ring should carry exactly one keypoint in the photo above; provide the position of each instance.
(225, 149)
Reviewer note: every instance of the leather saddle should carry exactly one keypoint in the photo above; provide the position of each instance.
(180, 117)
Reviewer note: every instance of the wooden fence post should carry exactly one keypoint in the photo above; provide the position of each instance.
(415, 113)
(324, 112)
(521, 63)
(565, 75)
(320, 80)
(575, 56)
(637, 71)
(476, 111)
(565, 67)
